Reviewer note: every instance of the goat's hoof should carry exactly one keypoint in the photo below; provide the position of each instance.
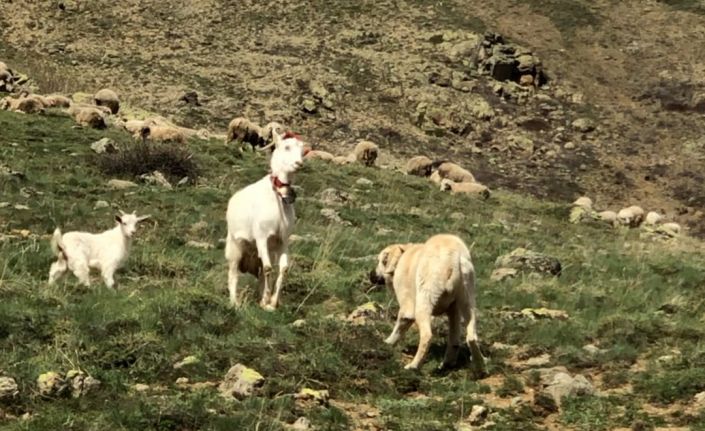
(391, 341)
(411, 366)
(269, 307)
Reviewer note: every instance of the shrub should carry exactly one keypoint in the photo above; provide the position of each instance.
(175, 162)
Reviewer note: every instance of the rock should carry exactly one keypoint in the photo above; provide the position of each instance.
(190, 98)
(522, 143)
(140, 387)
(156, 178)
(301, 424)
(480, 109)
(544, 313)
(569, 146)
(331, 196)
(100, 205)
(20, 207)
(529, 261)
(80, 383)
(298, 323)
(580, 214)
(538, 361)
(200, 244)
(240, 382)
(51, 384)
(457, 216)
(318, 90)
(105, 145)
(478, 414)
(563, 385)
(363, 313)
(320, 397)
(182, 381)
(309, 106)
(121, 184)
(333, 216)
(188, 360)
(592, 349)
(4, 204)
(364, 182)
(583, 125)
(699, 399)
(199, 226)
(500, 274)
(8, 388)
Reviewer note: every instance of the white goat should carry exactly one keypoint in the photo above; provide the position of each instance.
(106, 251)
(260, 219)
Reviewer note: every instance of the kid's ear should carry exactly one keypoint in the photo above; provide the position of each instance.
(118, 219)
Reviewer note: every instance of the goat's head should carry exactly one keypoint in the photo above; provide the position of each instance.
(288, 153)
(128, 222)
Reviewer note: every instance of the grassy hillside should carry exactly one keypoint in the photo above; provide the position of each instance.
(636, 299)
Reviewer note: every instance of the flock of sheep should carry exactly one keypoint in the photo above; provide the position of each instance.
(631, 217)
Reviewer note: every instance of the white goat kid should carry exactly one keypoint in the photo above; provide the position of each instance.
(260, 219)
(81, 251)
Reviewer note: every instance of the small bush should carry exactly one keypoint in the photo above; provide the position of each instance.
(174, 162)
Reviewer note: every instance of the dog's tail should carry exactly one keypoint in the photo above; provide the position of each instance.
(57, 245)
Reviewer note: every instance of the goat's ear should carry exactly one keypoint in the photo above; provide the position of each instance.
(122, 213)
(118, 219)
(144, 217)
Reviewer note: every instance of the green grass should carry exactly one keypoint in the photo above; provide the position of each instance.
(567, 15)
(695, 6)
(172, 299)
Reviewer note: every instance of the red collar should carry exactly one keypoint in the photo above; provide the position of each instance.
(276, 182)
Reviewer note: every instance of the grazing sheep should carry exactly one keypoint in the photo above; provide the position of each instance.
(26, 104)
(109, 98)
(631, 216)
(420, 166)
(320, 155)
(453, 172)
(366, 152)
(89, 116)
(134, 127)
(81, 251)
(260, 219)
(583, 202)
(608, 217)
(436, 179)
(246, 131)
(343, 160)
(156, 131)
(653, 218)
(57, 101)
(431, 279)
(266, 132)
(671, 228)
(476, 189)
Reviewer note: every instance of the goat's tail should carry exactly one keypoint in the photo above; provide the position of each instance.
(57, 245)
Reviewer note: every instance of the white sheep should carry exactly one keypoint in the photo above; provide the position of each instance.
(476, 189)
(583, 202)
(320, 155)
(161, 131)
(366, 152)
(631, 216)
(609, 217)
(428, 280)
(454, 172)
(260, 219)
(435, 178)
(653, 218)
(109, 98)
(81, 251)
(246, 131)
(86, 115)
(419, 165)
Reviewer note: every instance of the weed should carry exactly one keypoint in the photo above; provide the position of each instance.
(175, 162)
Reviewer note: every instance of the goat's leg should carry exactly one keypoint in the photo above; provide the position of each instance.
(283, 269)
(81, 270)
(263, 251)
(233, 253)
(107, 274)
(58, 269)
(454, 331)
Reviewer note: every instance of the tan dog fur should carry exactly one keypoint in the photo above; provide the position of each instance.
(431, 279)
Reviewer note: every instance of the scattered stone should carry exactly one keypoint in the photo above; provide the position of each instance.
(569, 146)
(478, 414)
(301, 424)
(580, 214)
(583, 125)
(298, 323)
(105, 145)
(240, 382)
(182, 381)
(199, 226)
(20, 207)
(190, 98)
(699, 399)
(183, 181)
(51, 384)
(480, 109)
(140, 387)
(457, 216)
(8, 388)
(529, 261)
(544, 313)
(4, 204)
(538, 361)
(80, 383)
(364, 182)
(320, 397)
(100, 205)
(188, 360)
(200, 244)
(156, 178)
(121, 184)
(564, 385)
(500, 274)
(365, 312)
(333, 216)
(592, 349)
(331, 196)
(309, 106)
